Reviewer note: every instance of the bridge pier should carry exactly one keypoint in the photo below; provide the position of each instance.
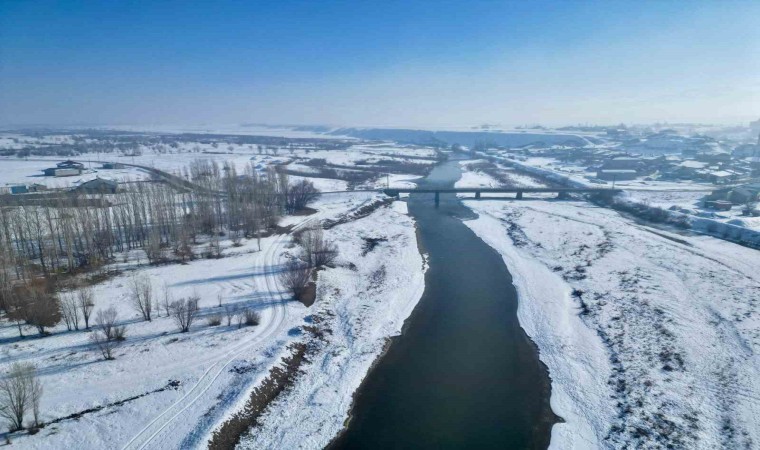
(437, 198)
(519, 195)
(477, 194)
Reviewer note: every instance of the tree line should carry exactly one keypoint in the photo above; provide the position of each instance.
(41, 244)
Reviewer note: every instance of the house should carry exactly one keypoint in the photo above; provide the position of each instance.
(62, 172)
(20, 189)
(737, 195)
(720, 205)
(65, 169)
(69, 164)
(98, 186)
(689, 169)
(713, 157)
(622, 163)
(35, 187)
(721, 177)
(616, 175)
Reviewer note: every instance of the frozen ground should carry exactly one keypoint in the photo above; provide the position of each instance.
(14, 171)
(651, 338)
(215, 367)
(363, 301)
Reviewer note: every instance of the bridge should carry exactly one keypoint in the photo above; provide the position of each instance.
(562, 192)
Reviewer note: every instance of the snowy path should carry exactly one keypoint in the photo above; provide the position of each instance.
(156, 434)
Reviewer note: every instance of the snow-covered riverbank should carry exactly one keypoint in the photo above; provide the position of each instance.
(214, 367)
(650, 337)
(363, 301)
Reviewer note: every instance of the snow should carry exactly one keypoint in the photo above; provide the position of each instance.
(76, 378)
(217, 367)
(26, 172)
(366, 303)
(667, 341)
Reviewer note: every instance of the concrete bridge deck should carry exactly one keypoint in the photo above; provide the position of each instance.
(562, 192)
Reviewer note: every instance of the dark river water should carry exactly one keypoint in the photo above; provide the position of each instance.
(463, 374)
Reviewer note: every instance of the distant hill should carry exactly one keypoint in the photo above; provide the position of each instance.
(468, 138)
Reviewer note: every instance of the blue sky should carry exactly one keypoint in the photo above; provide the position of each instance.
(378, 63)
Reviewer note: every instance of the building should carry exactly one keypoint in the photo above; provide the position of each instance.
(69, 164)
(622, 163)
(62, 172)
(720, 205)
(111, 166)
(98, 186)
(721, 177)
(713, 157)
(616, 175)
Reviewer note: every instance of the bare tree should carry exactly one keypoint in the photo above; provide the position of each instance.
(43, 309)
(86, 302)
(35, 389)
(184, 313)
(298, 195)
(15, 394)
(69, 310)
(229, 313)
(319, 251)
(17, 311)
(167, 300)
(251, 317)
(295, 278)
(141, 295)
(107, 335)
(105, 321)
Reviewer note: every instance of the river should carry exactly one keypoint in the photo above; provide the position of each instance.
(463, 374)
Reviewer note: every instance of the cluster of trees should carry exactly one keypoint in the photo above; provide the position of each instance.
(68, 233)
(32, 303)
(239, 315)
(107, 335)
(317, 252)
(20, 391)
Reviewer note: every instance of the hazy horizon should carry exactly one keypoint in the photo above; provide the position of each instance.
(411, 64)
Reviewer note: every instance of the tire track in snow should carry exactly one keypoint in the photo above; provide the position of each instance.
(150, 432)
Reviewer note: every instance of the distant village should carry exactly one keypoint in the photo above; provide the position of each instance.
(666, 157)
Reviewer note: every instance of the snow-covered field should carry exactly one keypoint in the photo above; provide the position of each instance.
(167, 389)
(651, 338)
(216, 366)
(15, 171)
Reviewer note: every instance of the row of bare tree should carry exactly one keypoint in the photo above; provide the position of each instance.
(68, 234)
